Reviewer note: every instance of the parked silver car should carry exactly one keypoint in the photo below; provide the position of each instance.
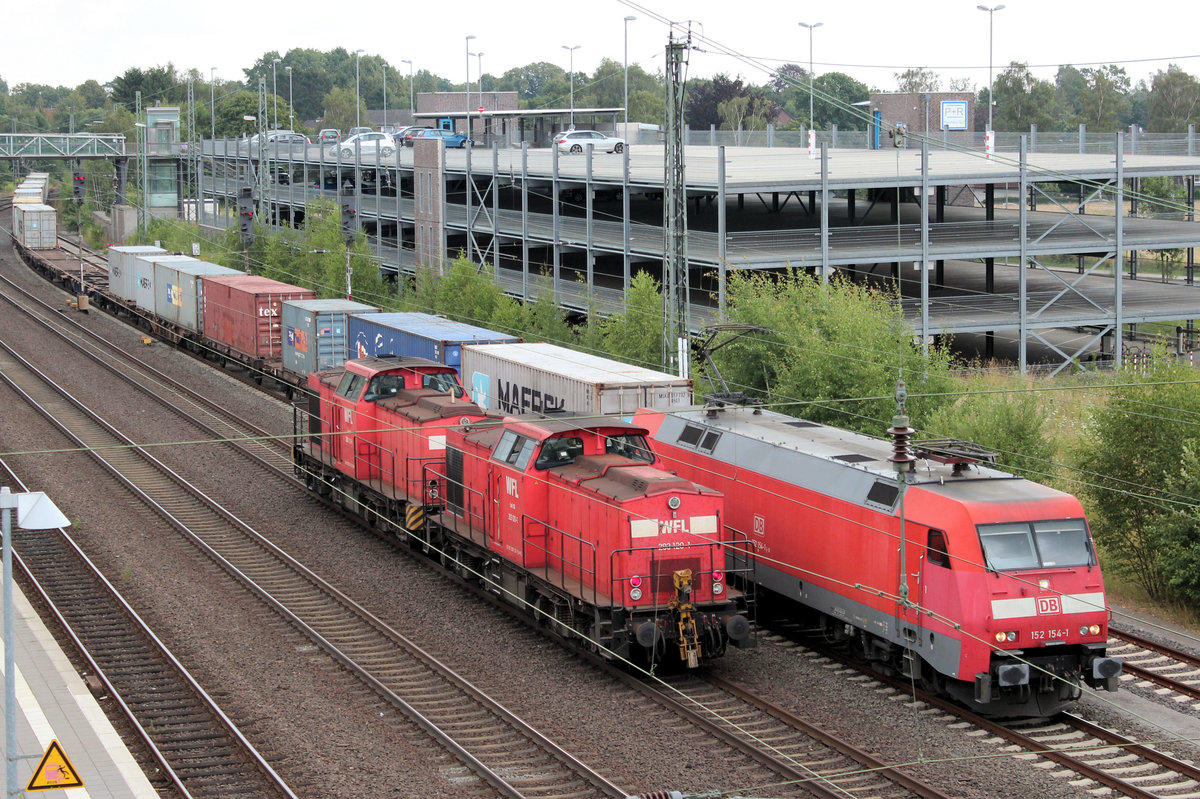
(366, 145)
(574, 141)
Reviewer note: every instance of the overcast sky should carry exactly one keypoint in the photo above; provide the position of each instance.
(65, 42)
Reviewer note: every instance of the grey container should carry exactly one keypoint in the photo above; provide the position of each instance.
(544, 378)
(143, 277)
(121, 269)
(35, 226)
(315, 333)
(179, 291)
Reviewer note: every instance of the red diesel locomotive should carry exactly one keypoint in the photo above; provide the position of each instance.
(1003, 602)
(567, 518)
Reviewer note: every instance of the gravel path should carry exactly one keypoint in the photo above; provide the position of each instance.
(316, 724)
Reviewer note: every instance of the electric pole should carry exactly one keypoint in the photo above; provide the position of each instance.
(675, 250)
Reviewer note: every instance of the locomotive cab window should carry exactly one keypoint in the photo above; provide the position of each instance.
(631, 446)
(351, 385)
(936, 548)
(443, 381)
(383, 386)
(1035, 545)
(514, 449)
(559, 452)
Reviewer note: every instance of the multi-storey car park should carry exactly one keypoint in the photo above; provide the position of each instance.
(586, 222)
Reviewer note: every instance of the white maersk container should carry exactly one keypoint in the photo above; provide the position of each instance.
(544, 378)
(35, 226)
(122, 274)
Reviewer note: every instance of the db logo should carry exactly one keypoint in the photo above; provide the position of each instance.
(1049, 604)
(760, 525)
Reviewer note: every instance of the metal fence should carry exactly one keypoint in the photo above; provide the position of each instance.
(61, 145)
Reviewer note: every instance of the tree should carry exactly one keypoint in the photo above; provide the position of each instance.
(530, 81)
(157, 84)
(1104, 103)
(704, 97)
(788, 76)
(1174, 101)
(1022, 100)
(1011, 424)
(634, 334)
(828, 342)
(1070, 85)
(340, 108)
(835, 96)
(1130, 452)
(917, 79)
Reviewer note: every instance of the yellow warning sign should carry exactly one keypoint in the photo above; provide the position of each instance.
(54, 772)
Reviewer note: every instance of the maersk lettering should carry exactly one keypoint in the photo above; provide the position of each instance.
(512, 398)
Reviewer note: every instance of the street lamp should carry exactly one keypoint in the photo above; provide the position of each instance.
(35, 511)
(357, 102)
(469, 38)
(212, 84)
(385, 94)
(291, 110)
(991, 12)
(412, 109)
(572, 50)
(275, 91)
(811, 121)
(627, 21)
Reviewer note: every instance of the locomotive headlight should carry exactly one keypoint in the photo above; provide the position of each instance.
(718, 588)
(1094, 629)
(718, 576)
(1043, 584)
(673, 503)
(1006, 637)
(1083, 629)
(635, 594)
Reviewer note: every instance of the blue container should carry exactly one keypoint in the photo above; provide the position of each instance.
(418, 335)
(315, 333)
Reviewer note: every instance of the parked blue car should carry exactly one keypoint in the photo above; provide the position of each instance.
(450, 137)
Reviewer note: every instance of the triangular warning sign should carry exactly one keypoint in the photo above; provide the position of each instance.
(54, 772)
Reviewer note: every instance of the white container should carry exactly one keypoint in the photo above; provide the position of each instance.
(143, 277)
(35, 226)
(179, 291)
(544, 378)
(121, 269)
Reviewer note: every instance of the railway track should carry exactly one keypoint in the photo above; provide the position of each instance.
(511, 757)
(1100, 757)
(210, 417)
(1169, 668)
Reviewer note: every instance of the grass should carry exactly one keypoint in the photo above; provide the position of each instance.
(1128, 594)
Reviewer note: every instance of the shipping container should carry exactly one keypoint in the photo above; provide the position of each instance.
(544, 378)
(28, 196)
(143, 276)
(315, 333)
(39, 184)
(122, 272)
(179, 291)
(418, 335)
(244, 312)
(35, 226)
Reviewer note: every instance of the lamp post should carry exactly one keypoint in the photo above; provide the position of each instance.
(811, 121)
(35, 511)
(291, 109)
(275, 92)
(412, 109)
(385, 94)
(212, 85)
(357, 102)
(627, 21)
(469, 38)
(991, 12)
(572, 50)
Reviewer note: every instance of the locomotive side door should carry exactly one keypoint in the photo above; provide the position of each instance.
(342, 420)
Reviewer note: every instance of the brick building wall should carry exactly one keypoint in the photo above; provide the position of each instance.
(922, 112)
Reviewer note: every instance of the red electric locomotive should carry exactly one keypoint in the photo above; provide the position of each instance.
(571, 517)
(1003, 602)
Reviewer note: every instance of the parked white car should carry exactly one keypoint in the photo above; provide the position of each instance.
(575, 141)
(366, 145)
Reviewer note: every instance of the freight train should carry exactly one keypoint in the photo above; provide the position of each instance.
(1002, 606)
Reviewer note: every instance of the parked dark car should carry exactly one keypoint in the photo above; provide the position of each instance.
(406, 136)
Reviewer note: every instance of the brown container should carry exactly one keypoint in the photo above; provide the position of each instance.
(245, 312)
